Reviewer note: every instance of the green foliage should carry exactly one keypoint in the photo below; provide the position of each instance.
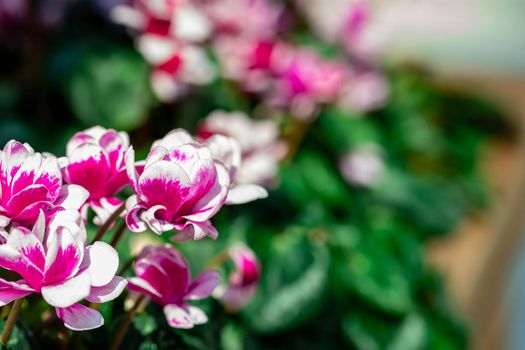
(110, 88)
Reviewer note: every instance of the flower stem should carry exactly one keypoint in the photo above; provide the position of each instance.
(218, 260)
(296, 133)
(126, 266)
(103, 229)
(11, 320)
(124, 326)
(118, 233)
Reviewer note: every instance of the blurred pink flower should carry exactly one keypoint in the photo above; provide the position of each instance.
(364, 92)
(180, 188)
(250, 62)
(261, 150)
(54, 261)
(257, 19)
(362, 167)
(163, 274)
(243, 282)
(168, 35)
(95, 160)
(31, 182)
(304, 80)
(176, 65)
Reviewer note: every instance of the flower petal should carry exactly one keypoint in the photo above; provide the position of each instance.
(79, 317)
(72, 197)
(103, 263)
(245, 193)
(108, 292)
(140, 285)
(68, 292)
(10, 291)
(177, 317)
(133, 219)
(203, 285)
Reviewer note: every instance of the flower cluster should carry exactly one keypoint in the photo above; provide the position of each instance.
(45, 202)
(44, 240)
(244, 36)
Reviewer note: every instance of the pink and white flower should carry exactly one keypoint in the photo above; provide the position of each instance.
(248, 61)
(163, 274)
(95, 160)
(257, 19)
(53, 260)
(243, 281)
(176, 65)
(261, 150)
(31, 182)
(304, 80)
(169, 34)
(365, 91)
(180, 188)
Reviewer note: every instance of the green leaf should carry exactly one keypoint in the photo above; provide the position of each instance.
(292, 286)
(18, 340)
(145, 324)
(110, 89)
(232, 337)
(412, 334)
(434, 206)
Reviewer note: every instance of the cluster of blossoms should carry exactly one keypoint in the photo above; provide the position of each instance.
(244, 36)
(180, 186)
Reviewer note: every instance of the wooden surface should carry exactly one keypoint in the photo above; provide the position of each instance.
(475, 260)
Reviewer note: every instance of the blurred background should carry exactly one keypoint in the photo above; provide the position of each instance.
(396, 214)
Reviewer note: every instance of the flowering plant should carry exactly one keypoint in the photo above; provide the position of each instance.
(226, 174)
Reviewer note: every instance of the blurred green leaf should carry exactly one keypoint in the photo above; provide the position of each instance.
(110, 88)
(145, 324)
(412, 334)
(292, 286)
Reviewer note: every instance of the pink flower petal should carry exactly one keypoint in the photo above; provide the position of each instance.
(25, 197)
(10, 291)
(68, 292)
(108, 292)
(212, 200)
(133, 219)
(29, 245)
(79, 317)
(203, 285)
(140, 285)
(164, 183)
(12, 259)
(63, 258)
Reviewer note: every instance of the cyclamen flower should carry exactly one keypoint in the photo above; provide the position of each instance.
(257, 19)
(55, 262)
(260, 147)
(364, 92)
(163, 274)
(243, 282)
(95, 160)
(31, 182)
(176, 65)
(251, 62)
(169, 33)
(304, 80)
(180, 188)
